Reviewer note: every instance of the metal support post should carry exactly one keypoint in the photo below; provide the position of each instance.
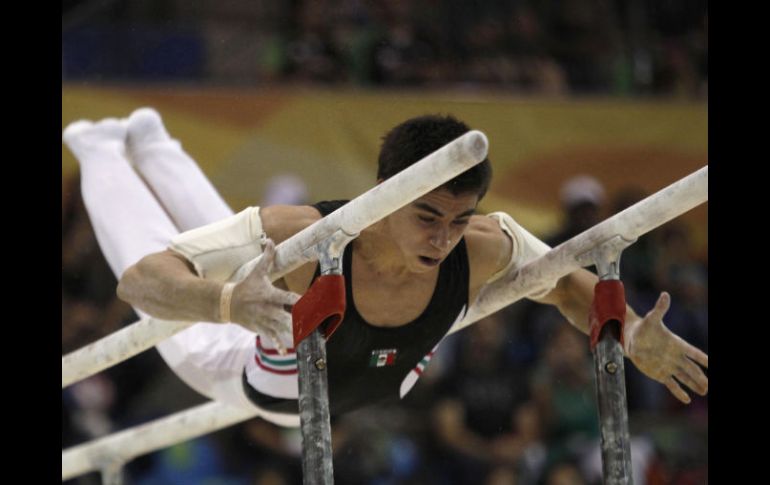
(311, 364)
(607, 320)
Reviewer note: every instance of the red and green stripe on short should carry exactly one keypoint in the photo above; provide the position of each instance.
(271, 361)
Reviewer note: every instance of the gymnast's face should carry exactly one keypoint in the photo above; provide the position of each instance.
(429, 228)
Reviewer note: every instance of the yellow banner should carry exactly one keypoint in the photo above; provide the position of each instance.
(242, 138)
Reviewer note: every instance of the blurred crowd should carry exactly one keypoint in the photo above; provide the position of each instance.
(509, 401)
(619, 47)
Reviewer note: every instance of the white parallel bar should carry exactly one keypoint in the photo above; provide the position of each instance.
(629, 224)
(154, 435)
(373, 205)
(417, 180)
(116, 347)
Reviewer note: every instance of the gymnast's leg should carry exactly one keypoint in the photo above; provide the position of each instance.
(130, 223)
(127, 221)
(172, 175)
(191, 201)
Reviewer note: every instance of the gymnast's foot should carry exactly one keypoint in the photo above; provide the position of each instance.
(145, 128)
(84, 135)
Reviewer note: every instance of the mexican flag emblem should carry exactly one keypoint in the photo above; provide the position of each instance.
(381, 358)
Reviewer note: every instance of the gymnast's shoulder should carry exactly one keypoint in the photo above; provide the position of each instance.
(280, 222)
(489, 248)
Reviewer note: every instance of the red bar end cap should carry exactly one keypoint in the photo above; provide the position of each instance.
(324, 300)
(609, 304)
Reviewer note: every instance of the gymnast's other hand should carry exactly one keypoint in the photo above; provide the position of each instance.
(261, 307)
(664, 356)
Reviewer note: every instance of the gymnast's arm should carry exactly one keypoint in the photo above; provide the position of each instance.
(653, 348)
(168, 285)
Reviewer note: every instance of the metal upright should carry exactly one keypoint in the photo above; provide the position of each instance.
(323, 303)
(607, 319)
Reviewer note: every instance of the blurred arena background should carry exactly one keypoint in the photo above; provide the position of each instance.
(589, 105)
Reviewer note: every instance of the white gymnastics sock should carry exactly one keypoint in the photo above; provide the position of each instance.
(173, 176)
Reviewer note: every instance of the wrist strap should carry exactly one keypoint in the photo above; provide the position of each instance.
(224, 302)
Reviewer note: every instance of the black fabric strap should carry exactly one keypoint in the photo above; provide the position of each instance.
(269, 403)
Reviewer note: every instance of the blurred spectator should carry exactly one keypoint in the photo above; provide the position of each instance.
(582, 199)
(563, 388)
(564, 473)
(285, 189)
(93, 397)
(644, 459)
(551, 47)
(502, 475)
(195, 462)
(677, 270)
(478, 425)
(262, 452)
(538, 71)
(378, 445)
(583, 37)
(686, 279)
(637, 260)
(679, 33)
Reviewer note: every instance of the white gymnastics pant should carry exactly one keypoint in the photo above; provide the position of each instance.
(138, 196)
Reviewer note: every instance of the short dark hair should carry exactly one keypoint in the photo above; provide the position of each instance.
(416, 138)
